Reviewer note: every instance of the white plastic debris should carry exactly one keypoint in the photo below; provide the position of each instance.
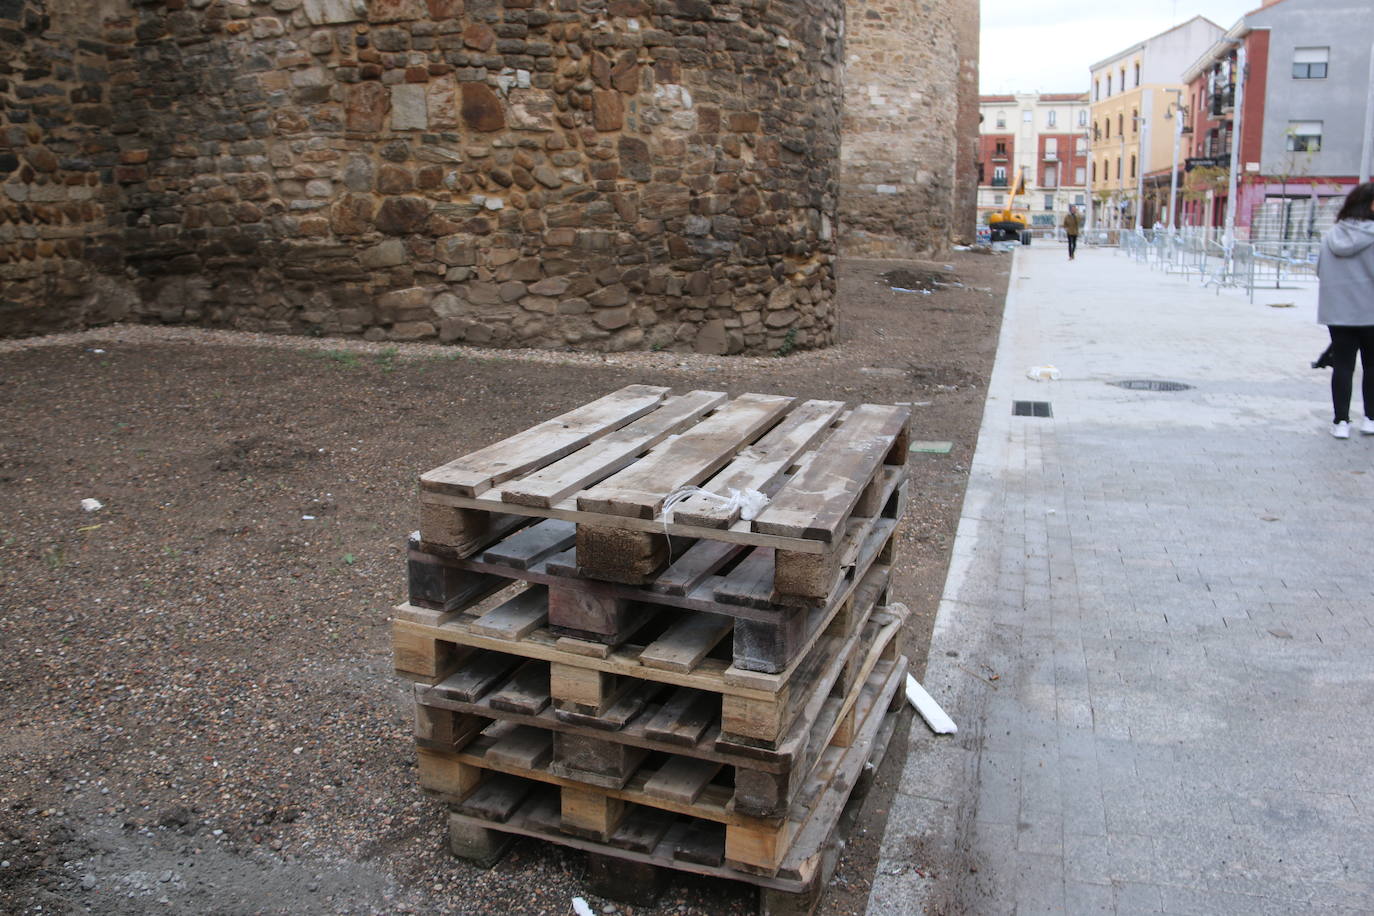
(1042, 373)
(91, 505)
(307, 518)
(95, 350)
(925, 704)
(903, 289)
(749, 502)
(581, 907)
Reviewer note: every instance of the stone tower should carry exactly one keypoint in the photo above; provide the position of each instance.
(909, 175)
(602, 174)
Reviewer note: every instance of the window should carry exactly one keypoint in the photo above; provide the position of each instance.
(1027, 116)
(1097, 90)
(1132, 165)
(998, 198)
(1109, 85)
(1001, 120)
(1304, 136)
(1079, 173)
(999, 174)
(1120, 124)
(1109, 128)
(1118, 170)
(1051, 177)
(1001, 150)
(1049, 201)
(1094, 173)
(1135, 122)
(1097, 132)
(1079, 199)
(1080, 146)
(1051, 147)
(1123, 79)
(1082, 117)
(1310, 63)
(1050, 117)
(1137, 73)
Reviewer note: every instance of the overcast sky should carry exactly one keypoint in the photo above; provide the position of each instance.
(1047, 45)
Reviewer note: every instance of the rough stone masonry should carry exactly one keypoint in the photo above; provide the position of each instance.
(602, 174)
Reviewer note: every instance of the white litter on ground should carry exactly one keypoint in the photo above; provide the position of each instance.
(925, 704)
(91, 505)
(903, 289)
(581, 908)
(1042, 373)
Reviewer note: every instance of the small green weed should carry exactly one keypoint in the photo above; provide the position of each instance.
(54, 558)
(386, 359)
(789, 343)
(343, 358)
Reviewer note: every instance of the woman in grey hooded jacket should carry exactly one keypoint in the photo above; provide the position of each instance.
(1345, 304)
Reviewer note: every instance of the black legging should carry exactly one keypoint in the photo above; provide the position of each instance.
(1346, 341)
(1073, 243)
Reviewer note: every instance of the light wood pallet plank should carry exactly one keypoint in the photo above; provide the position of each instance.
(543, 443)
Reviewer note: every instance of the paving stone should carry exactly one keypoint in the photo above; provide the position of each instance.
(1181, 713)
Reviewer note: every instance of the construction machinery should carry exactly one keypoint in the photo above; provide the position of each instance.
(1007, 224)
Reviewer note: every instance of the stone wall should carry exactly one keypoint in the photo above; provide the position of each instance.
(910, 85)
(608, 175)
(59, 264)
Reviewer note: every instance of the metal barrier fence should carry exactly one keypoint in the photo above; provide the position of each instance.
(1201, 256)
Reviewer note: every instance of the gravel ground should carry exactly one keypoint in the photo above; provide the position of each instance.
(201, 711)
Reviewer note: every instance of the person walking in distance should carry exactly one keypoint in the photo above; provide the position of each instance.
(1345, 304)
(1071, 230)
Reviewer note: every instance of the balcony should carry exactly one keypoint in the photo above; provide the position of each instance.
(1050, 157)
(1223, 102)
(999, 182)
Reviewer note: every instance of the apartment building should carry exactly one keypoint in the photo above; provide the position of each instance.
(1131, 135)
(1044, 136)
(1289, 83)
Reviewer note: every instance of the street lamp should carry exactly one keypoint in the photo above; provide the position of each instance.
(1179, 115)
(1228, 239)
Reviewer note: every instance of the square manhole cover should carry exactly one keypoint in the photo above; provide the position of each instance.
(1031, 409)
(1151, 384)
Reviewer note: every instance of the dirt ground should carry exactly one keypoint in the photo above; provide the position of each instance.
(200, 713)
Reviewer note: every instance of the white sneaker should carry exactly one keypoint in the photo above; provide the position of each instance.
(1367, 427)
(1341, 430)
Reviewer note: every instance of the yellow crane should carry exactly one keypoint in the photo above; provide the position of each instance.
(1008, 224)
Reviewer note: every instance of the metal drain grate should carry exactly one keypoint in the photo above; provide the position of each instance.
(1031, 409)
(1151, 384)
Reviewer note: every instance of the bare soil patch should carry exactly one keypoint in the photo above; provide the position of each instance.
(201, 714)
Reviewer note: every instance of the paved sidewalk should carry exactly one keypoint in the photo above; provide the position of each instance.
(1156, 631)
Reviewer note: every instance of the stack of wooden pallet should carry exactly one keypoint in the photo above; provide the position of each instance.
(699, 693)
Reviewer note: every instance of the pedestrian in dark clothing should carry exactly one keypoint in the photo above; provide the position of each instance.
(1345, 304)
(1071, 230)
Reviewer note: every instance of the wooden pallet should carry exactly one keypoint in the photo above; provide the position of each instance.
(735, 599)
(466, 659)
(609, 466)
(638, 830)
(674, 732)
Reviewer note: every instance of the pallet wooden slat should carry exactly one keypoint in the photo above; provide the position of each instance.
(682, 779)
(611, 452)
(517, 617)
(548, 441)
(535, 543)
(761, 465)
(686, 642)
(696, 564)
(685, 718)
(525, 693)
(523, 747)
(817, 501)
(639, 490)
